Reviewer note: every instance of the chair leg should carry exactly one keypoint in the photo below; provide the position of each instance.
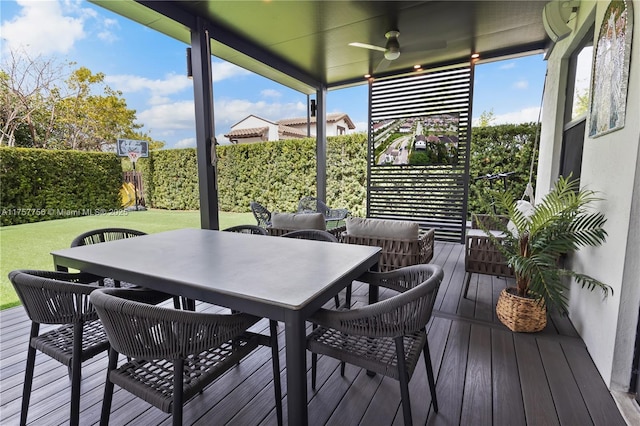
(275, 359)
(430, 378)
(404, 381)
(76, 363)
(108, 389)
(178, 373)
(28, 375)
(314, 369)
(466, 284)
(337, 300)
(348, 297)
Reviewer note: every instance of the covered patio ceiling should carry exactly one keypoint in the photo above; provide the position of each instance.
(305, 44)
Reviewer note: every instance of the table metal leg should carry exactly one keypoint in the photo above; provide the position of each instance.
(295, 339)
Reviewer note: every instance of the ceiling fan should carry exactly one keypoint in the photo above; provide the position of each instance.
(392, 48)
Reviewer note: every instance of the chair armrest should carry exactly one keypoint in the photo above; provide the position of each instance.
(483, 257)
(427, 240)
(402, 279)
(396, 316)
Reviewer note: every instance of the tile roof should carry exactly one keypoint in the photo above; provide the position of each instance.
(247, 133)
(336, 116)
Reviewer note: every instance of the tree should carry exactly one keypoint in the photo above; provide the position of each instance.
(89, 122)
(486, 118)
(26, 84)
(40, 109)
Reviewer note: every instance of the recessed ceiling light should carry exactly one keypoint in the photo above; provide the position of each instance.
(367, 76)
(417, 67)
(475, 56)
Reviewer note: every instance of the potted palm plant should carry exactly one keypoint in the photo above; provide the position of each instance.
(534, 244)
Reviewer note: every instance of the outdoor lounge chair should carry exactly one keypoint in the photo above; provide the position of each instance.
(386, 337)
(402, 242)
(481, 254)
(174, 354)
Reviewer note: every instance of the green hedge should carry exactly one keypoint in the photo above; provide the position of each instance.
(48, 184)
(500, 149)
(277, 174)
(171, 179)
(39, 184)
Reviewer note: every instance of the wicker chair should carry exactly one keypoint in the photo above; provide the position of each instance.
(481, 254)
(312, 204)
(174, 354)
(60, 298)
(247, 229)
(386, 337)
(260, 212)
(103, 235)
(317, 235)
(397, 253)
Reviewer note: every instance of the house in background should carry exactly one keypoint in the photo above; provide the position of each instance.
(256, 129)
(338, 123)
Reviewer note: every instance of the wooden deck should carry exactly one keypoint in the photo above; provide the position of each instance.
(486, 375)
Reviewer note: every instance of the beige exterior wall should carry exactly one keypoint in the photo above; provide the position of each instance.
(611, 166)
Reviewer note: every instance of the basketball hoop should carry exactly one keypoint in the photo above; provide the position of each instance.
(133, 156)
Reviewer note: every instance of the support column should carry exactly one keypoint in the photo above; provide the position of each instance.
(205, 131)
(321, 144)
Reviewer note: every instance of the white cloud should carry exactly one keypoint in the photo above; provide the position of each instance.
(171, 84)
(168, 118)
(108, 33)
(522, 84)
(507, 66)
(41, 28)
(526, 115)
(224, 70)
(270, 93)
(186, 143)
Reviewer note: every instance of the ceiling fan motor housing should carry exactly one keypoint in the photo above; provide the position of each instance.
(392, 48)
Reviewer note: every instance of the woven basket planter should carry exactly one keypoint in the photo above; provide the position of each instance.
(520, 314)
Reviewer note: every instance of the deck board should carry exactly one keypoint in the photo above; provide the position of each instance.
(485, 374)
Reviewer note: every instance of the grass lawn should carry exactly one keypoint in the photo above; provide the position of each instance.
(28, 246)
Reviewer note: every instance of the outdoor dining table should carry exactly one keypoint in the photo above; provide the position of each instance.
(283, 279)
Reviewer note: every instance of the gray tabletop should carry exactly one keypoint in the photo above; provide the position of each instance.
(209, 265)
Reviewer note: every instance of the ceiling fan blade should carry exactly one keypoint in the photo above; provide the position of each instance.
(383, 65)
(368, 46)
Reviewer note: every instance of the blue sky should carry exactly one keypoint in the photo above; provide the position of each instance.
(149, 68)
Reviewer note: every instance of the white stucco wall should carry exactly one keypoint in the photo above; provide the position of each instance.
(609, 166)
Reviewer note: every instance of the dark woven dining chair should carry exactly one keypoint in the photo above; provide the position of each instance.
(59, 298)
(174, 354)
(260, 212)
(247, 229)
(317, 235)
(386, 337)
(104, 235)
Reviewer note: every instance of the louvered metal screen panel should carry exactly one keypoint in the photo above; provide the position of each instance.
(435, 196)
